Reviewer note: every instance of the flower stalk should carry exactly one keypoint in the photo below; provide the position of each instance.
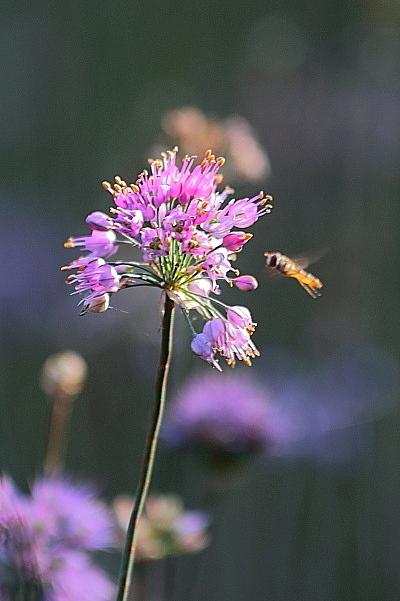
(63, 377)
(128, 557)
(185, 236)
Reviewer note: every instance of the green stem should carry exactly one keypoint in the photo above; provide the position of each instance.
(128, 556)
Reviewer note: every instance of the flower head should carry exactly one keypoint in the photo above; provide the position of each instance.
(165, 527)
(70, 514)
(188, 235)
(45, 539)
(223, 417)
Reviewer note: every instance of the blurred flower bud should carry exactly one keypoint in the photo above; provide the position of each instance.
(64, 372)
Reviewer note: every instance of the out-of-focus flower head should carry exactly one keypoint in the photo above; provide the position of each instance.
(324, 413)
(165, 528)
(188, 235)
(223, 419)
(19, 570)
(45, 539)
(70, 513)
(192, 130)
(64, 372)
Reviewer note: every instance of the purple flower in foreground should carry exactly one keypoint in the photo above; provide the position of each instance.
(188, 234)
(70, 514)
(78, 579)
(44, 539)
(223, 418)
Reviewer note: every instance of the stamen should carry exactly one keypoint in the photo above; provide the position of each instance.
(107, 186)
(266, 199)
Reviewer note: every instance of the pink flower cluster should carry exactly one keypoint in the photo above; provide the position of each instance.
(188, 234)
(229, 337)
(45, 540)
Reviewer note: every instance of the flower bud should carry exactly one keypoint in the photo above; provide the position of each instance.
(99, 304)
(235, 240)
(99, 221)
(66, 372)
(96, 304)
(202, 346)
(245, 283)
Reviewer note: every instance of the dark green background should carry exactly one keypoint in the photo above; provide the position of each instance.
(83, 88)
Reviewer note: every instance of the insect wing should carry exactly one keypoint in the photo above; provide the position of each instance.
(309, 257)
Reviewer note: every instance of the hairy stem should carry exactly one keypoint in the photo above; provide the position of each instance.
(128, 557)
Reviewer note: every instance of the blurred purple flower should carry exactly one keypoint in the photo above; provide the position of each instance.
(44, 539)
(323, 413)
(70, 514)
(78, 579)
(11, 502)
(222, 413)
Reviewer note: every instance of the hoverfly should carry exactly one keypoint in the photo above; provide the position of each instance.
(278, 263)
